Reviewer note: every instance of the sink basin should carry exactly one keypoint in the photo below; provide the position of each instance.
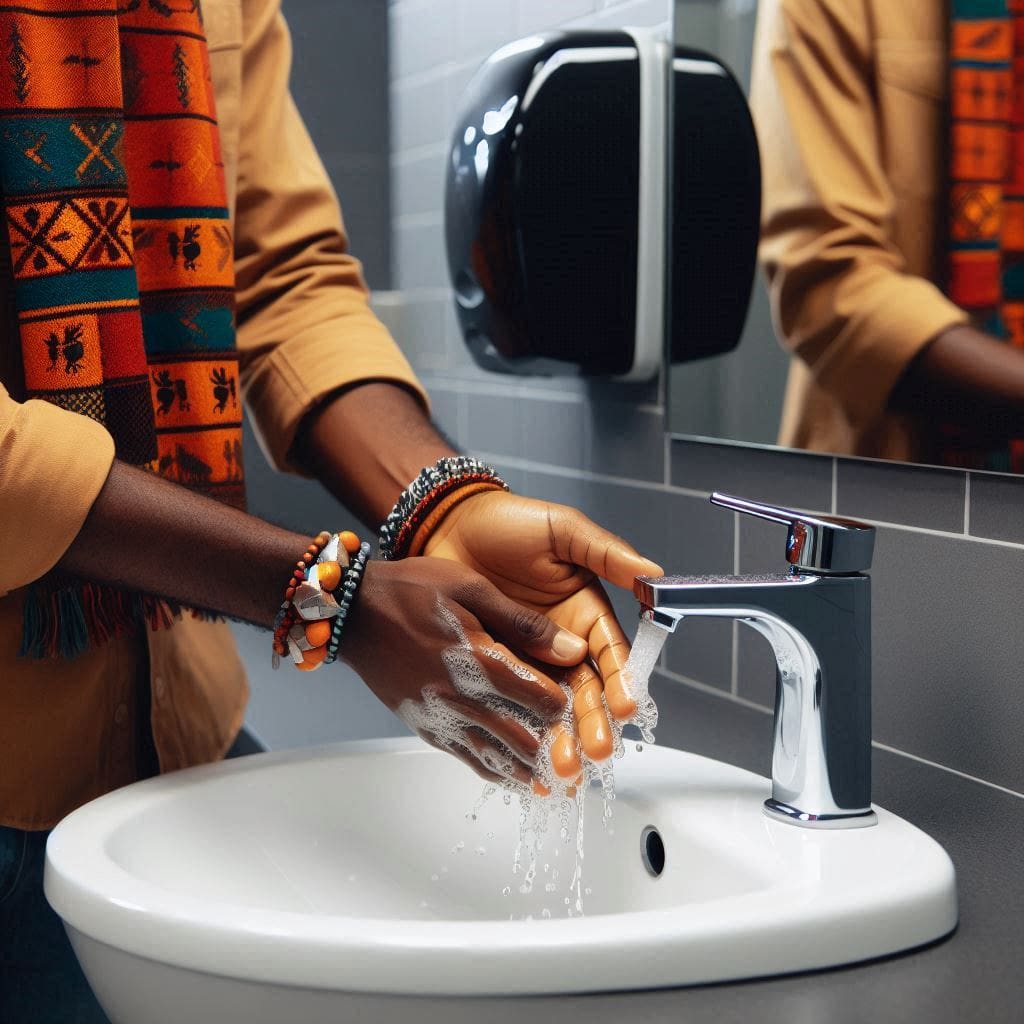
(261, 889)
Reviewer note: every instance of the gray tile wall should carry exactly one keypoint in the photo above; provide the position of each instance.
(949, 567)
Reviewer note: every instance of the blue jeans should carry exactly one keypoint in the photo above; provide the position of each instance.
(40, 980)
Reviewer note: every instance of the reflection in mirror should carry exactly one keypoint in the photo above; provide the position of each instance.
(908, 327)
(738, 396)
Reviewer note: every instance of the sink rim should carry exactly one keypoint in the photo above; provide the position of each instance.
(102, 900)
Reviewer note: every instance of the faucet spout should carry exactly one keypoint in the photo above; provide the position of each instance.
(819, 629)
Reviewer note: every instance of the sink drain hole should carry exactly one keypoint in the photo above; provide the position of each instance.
(652, 851)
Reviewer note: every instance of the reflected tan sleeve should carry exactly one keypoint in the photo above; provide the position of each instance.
(53, 464)
(305, 327)
(842, 298)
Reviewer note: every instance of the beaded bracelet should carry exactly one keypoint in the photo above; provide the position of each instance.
(438, 487)
(302, 626)
(353, 577)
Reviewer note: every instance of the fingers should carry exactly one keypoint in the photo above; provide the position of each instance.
(564, 759)
(609, 650)
(523, 743)
(523, 629)
(526, 686)
(582, 542)
(592, 726)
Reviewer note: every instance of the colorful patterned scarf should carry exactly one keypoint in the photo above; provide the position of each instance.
(121, 251)
(986, 265)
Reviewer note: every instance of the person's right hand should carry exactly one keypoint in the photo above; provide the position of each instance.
(434, 641)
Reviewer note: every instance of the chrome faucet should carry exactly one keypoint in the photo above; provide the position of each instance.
(817, 617)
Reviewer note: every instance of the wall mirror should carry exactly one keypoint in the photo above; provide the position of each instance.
(738, 397)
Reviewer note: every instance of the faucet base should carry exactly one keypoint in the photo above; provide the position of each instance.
(792, 816)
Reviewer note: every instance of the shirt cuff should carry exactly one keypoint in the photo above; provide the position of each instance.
(300, 373)
(53, 464)
(905, 314)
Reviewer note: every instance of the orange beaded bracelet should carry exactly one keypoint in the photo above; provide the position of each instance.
(302, 627)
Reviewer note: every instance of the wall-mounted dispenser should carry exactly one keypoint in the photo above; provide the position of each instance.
(571, 244)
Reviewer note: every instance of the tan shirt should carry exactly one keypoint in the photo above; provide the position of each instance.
(849, 98)
(67, 729)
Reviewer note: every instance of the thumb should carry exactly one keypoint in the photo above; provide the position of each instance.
(582, 542)
(520, 628)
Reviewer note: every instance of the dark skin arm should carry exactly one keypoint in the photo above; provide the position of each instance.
(150, 535)
(969, 378)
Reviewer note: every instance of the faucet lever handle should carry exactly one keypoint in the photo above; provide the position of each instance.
(818, 544)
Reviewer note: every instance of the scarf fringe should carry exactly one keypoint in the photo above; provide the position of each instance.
(64, 621)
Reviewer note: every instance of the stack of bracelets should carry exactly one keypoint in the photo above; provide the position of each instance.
(324, 582)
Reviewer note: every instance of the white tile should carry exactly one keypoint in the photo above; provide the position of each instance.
(418, 113)
(542, 15)
(639, 13)
(418, 183)
(422, 36)
(419, 256)
(484, 26)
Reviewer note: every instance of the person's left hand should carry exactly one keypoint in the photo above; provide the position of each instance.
(548, 556)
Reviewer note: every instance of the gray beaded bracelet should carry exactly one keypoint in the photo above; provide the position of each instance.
(432, 480)
(346, 594)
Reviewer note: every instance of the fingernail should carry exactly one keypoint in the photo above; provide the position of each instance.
(568, 645)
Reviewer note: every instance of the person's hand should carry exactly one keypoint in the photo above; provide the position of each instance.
(420, 634)
(546, 557)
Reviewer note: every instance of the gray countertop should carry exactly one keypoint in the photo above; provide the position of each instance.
(974, 977)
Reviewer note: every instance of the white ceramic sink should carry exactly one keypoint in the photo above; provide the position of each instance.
(259, 889)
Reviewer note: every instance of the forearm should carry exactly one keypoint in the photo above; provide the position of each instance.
(146, 534)
(966, 377)
(367, 444)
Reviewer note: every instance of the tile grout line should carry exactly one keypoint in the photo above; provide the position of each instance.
(691, 492)
(715, 691)
(734, 682)
(946, 768)
(967, 504)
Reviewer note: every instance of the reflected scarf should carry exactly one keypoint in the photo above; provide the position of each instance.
(121, 254)
(986, 258)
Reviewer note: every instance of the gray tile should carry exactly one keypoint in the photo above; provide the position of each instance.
(948, 653)
(794, 479)
(296, 503)
(445, 411)
(997, 507)
(564, 490)
(892, 493)
(494, 424)
(420, 334)
(553, 431)
(689, 719)
(701, 649)
(762, 545)
(626, 441)
(755, 667)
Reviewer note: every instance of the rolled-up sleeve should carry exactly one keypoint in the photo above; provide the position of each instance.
(53, 464)
(305, 327)
(842, 297)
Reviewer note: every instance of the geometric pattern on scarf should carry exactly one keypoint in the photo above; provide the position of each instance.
(120, 241)
(986, 189)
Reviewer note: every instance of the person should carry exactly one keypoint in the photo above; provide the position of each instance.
(892, 238)
(160, 191)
